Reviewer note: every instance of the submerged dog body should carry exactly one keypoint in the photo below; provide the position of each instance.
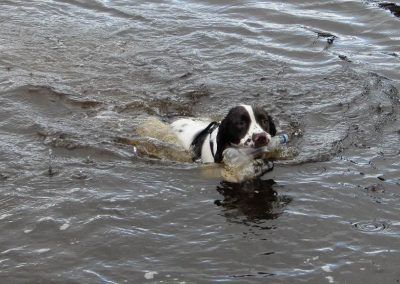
(244, 125)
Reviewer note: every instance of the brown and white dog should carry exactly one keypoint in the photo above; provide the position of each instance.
(244, 125)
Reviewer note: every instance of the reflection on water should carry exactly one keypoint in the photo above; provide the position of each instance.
(257, 200)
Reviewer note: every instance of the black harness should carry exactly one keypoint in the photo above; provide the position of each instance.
(198, 141)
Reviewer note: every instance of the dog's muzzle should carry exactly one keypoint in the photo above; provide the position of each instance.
(260, 139)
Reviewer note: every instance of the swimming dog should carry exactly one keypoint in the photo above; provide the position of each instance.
(244, 125)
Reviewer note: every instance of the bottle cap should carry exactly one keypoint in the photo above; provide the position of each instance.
(284, 138)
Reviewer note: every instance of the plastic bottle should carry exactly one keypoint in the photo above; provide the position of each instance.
(243, 153)
(277, 141)
(274, 144)
(242, 164)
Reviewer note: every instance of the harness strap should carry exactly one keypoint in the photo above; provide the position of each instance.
(198, 141)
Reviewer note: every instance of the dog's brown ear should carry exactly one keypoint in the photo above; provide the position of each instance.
(272, 127)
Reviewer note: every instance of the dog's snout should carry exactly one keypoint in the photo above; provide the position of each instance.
(260, 139)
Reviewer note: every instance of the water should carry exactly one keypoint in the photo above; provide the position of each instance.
(78, 77)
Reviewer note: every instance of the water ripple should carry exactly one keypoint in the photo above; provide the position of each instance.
(371, 226)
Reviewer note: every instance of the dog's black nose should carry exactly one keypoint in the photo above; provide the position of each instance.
(260, 139)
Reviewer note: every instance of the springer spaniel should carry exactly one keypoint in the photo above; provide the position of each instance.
(243, 126)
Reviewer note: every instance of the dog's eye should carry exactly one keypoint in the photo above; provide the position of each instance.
(263, 120)
(240, 123)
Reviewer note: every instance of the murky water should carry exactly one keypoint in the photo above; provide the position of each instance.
(78, 77)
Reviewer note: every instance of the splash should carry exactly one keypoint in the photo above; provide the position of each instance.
(157, 140)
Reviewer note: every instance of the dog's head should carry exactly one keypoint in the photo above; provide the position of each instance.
(244, 126)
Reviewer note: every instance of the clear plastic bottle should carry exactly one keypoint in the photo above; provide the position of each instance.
(241, 164)
(277, 141)
(274, 144)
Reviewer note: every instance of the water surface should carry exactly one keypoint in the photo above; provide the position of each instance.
(77, 77)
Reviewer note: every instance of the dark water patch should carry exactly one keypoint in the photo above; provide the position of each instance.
(4, 176)
(196, 95)
(377, 193)
(174, 103)
(255, 275)
(186, 75)
(392, 7)
(51, 171)
(394, 54)
(50, 94)
(86, 104)
(330, 38)
(325, 34)
(255, 200)
(344, 58)
(171, 108)
(375, 188)
(135, 107)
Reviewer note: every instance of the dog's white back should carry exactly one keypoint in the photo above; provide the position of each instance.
(186, 130)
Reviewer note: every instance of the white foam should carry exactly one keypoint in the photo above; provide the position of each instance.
(43, 250)
(330, 279)
(326, 268)
(4, 216)
(150, 274)
(64, 226)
